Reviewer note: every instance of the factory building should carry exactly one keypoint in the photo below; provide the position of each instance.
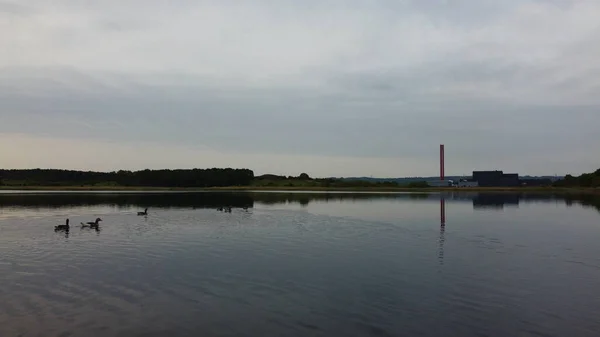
(467, 183)
(496, 179)
(482, 178)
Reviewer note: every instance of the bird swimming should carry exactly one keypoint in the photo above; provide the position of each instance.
(62, 227)
(91, 224)
(145, 212)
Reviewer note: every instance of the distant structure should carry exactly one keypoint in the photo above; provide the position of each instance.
(535, 182)
(442, 162)
(467, 183)
(496, 179)
(441, 182)
(483, 178)
(499, 179)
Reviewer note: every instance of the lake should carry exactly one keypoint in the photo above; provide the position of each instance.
(300, 264)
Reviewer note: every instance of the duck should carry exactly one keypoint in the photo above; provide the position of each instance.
(145, 212)
(91, 224)
(62, 227)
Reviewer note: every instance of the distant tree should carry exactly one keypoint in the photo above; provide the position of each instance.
(303, 176)
(418, 184)
(584, 180)
(149, 178)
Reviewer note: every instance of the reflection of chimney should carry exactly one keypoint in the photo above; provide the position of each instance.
(443, 211)
(442, 162)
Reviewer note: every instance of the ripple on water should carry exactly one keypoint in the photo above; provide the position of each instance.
(184, 272)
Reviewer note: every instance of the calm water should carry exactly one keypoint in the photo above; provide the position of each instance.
(301, 264)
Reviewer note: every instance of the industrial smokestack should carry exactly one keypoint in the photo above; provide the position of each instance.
(442, 162)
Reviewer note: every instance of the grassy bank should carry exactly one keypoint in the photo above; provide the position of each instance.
(91, 188)
(308, 188)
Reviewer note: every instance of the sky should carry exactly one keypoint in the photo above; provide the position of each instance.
(329, 88)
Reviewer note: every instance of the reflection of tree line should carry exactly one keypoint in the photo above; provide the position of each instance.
(586, 200)
(248, 199)
(272, 198)
(193, 200)
(125, 200)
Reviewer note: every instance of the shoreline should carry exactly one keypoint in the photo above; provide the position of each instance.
(301, 188)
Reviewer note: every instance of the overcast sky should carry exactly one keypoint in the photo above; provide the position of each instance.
(330, 88)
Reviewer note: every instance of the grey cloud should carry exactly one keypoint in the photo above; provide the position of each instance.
(14, 8)
(322, 125)
(378, 80)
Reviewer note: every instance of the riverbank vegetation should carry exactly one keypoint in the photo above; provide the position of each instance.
(305, 181)
(177, 179)
(590, 180)
(238, 179)
(197, 178)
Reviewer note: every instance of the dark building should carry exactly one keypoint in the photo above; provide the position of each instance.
(496, 179)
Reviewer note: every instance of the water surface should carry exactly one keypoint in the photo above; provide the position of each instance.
(300, 264)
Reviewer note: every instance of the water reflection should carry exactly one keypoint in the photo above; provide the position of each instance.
(495, 200)
(441, 241)
(443, 211)
(210, 264)
(97, 230)
(64, 232)
(245, 200)
(442, 229)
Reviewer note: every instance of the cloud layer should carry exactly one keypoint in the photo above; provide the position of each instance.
(330, 88)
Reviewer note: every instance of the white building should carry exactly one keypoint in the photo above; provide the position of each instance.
(466, 183)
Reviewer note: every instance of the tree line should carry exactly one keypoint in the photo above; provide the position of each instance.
(214, 177)
(304, 180)
(584, 180)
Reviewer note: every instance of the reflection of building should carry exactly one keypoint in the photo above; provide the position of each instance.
(496, 179)
(495, 200)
